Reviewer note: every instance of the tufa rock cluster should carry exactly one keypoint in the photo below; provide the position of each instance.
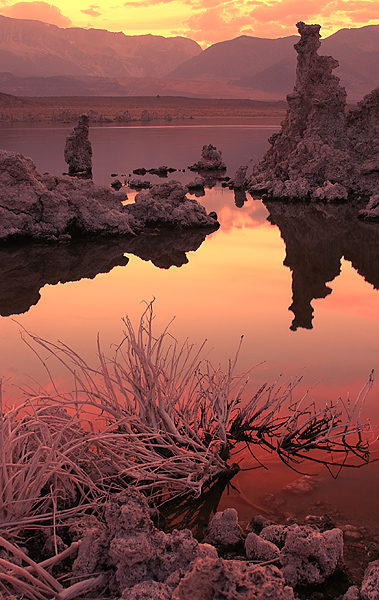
(323, 152)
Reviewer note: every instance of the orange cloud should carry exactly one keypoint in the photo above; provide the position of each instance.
(37, 11)
(214, 20)
(91, 11)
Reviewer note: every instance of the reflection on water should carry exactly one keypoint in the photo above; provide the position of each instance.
(317, 237)
(234, 284)
(25, 269)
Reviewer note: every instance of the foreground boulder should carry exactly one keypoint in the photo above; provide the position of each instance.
(78, 150)
(322, 152)
(216, 579)
(131, 551)
(46, 207)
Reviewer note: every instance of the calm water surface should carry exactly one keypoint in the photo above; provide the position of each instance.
(234, 284)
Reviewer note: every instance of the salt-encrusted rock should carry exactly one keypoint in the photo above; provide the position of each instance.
(148, 590)
(131, 550)
(239, 180)
(211, 160)
(78, 150)
(322, 152)
(275, 534)
(224, 531)
(370, 583)
(167, 203)
(216, 579)
(46, 207)
(352, 593)
(310, 556)
(259, 549)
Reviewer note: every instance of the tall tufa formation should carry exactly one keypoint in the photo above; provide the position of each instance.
(78, 150)
(322, 152)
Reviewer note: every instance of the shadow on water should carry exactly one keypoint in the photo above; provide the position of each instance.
(25, 269)
(317, 237)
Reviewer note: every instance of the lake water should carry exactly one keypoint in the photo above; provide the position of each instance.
(234, 284)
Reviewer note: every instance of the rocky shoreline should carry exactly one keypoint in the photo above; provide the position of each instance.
(121, 554)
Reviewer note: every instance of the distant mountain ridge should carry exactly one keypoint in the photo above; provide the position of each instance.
(269, 65)
(41, 59)
(34, 49)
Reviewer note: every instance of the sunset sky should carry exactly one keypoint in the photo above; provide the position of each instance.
(206, 21)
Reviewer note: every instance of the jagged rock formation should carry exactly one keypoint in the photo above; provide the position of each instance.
(78, 150)
(35, 206)
(321, 152)
(211, 160)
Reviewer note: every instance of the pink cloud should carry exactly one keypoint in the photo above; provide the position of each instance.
(37, 11)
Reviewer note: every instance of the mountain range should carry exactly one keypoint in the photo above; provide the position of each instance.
(39, 59)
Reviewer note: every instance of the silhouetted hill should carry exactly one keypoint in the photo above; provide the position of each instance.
(32, 49)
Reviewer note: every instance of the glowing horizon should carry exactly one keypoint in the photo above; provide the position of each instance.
(206, 21)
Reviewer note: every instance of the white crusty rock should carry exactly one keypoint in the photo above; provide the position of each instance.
(309, 556)
(46, 207)
(167, 203)
(323, 152)
(130, 550)
(148, 590)
(257, 548)
(224, 531)
(216, 579)
(370, 583)
(78, 150)
(211, 160)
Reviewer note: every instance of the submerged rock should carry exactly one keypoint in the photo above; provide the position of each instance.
(211, 160)
(78, 150)
(322, 152)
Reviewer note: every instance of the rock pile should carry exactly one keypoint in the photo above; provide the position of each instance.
(46, 207)
(78, 150)
(322, 152)
(133, 560)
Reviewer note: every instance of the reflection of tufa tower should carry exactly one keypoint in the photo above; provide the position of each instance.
(317, 236)
(78, 150)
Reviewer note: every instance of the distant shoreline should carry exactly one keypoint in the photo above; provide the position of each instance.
(126, 109)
